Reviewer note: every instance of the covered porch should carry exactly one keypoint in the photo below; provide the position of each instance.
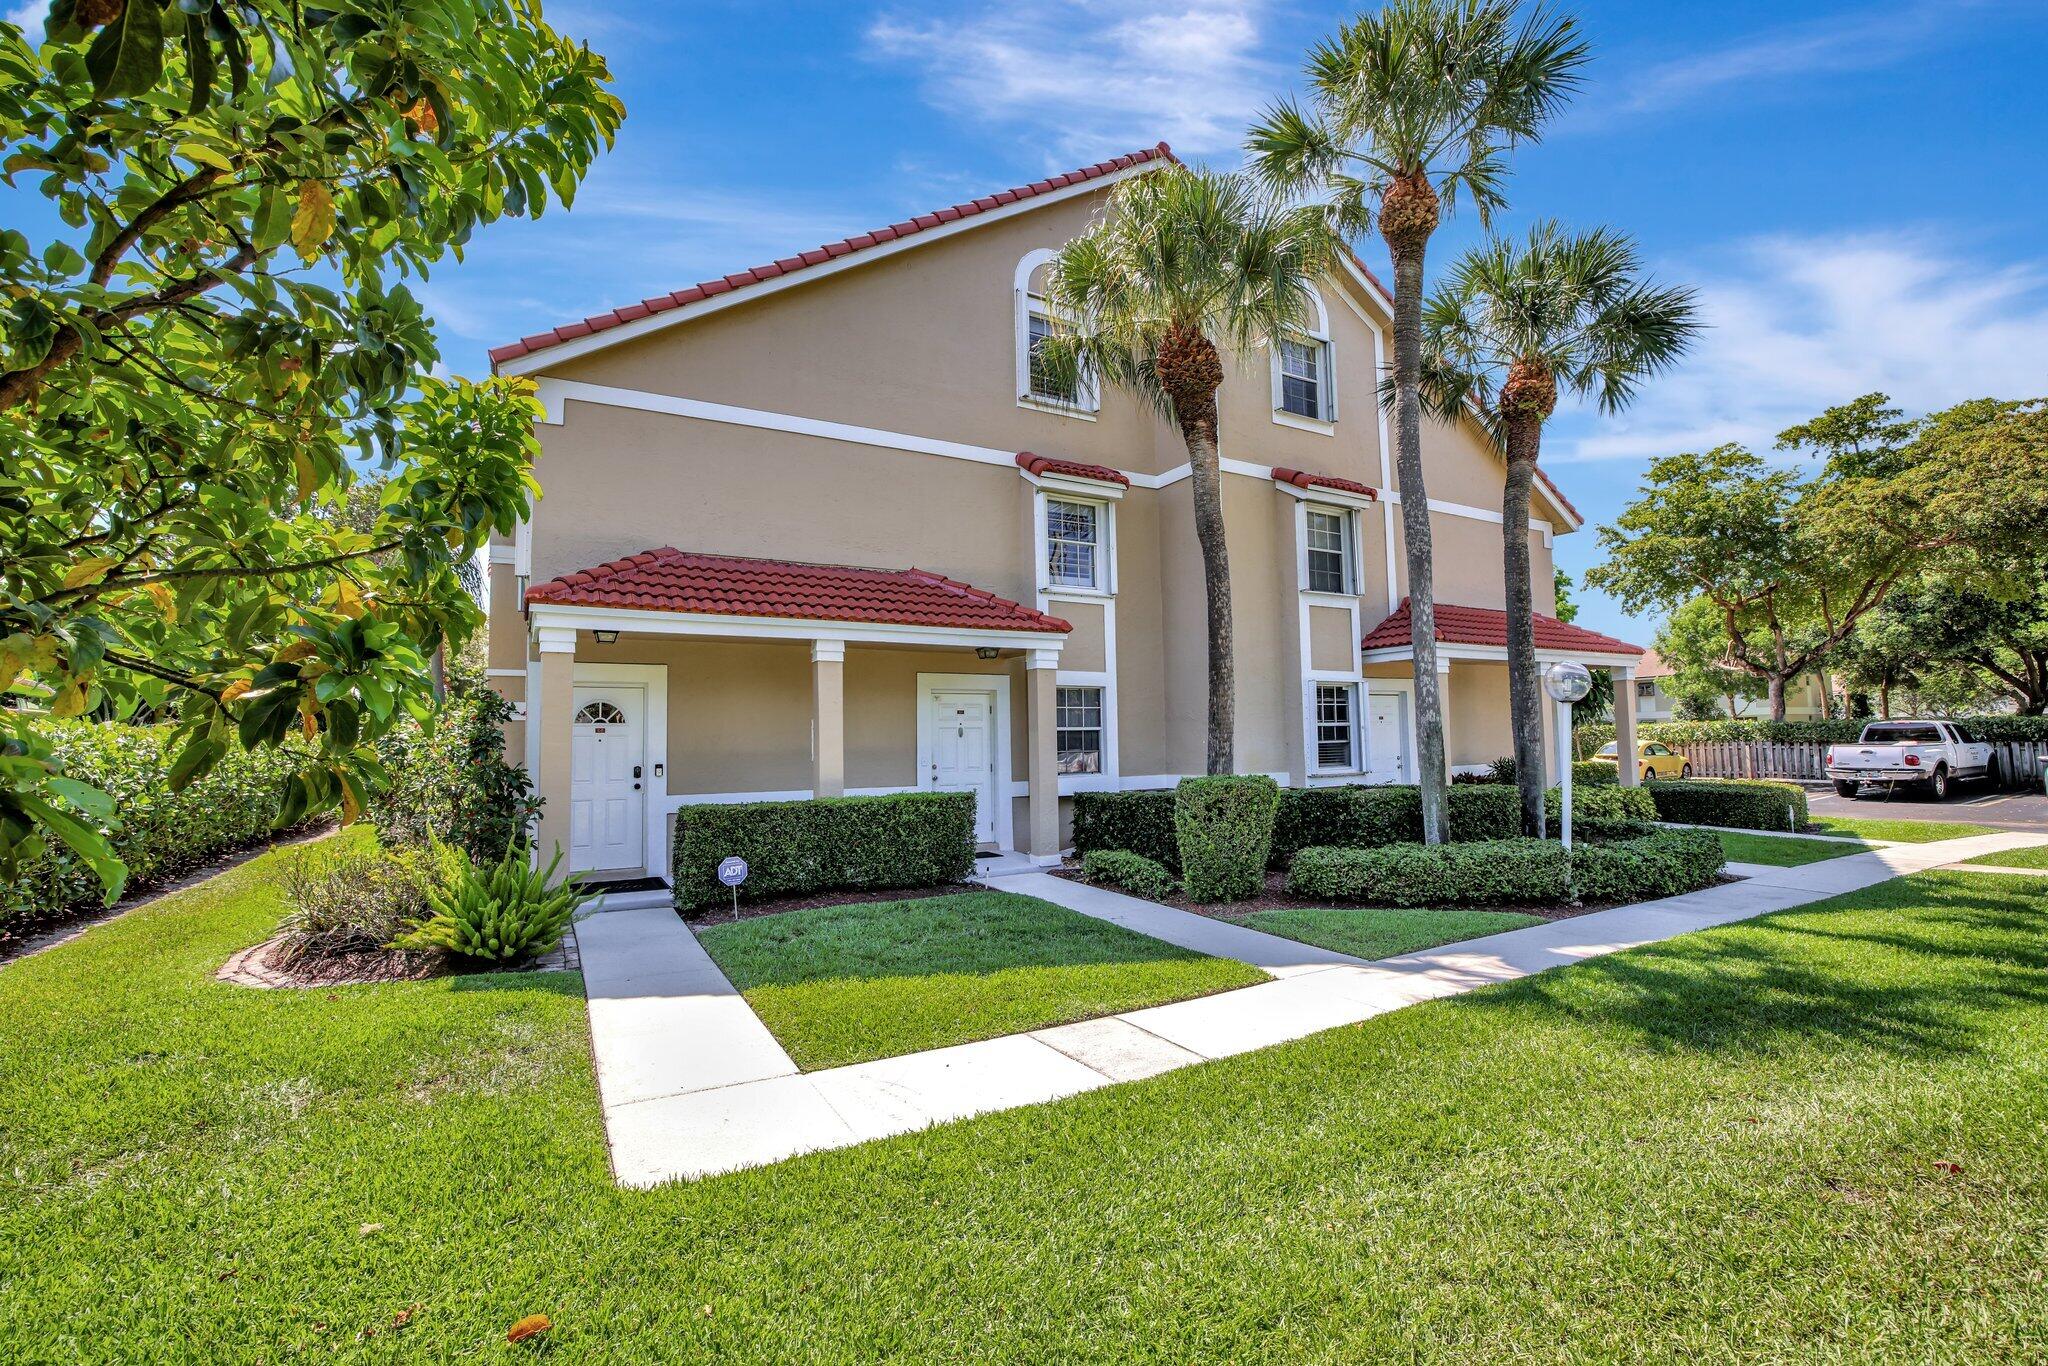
(668, 679)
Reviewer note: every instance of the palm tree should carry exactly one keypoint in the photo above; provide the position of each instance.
(1412, 107)
(1181, 266)
(1511, 327)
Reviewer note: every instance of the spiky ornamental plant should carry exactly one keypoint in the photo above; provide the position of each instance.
(1182, 266)
(1511, 327)
(505, 914)
(1408, 109)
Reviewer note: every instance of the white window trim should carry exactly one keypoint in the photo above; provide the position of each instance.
(1347, 521)
(1105, 725)
(1358, 759)
(1026, 303)
(1105, 543)
(1325, 421)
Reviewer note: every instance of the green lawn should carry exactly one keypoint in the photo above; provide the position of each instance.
(1784, 853)
(1386, 934)
(1724, 1147)
(848, 983)
(2036, 857)
(1897, 831)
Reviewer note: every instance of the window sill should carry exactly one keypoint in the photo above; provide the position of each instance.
(1324, 595)
(1056, 409)
(1282, 417)
(1074, 590)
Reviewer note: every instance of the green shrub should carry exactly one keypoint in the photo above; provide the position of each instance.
(1601, 803)
(1481, 873)
(1996, 728)
(453, 780)
(1139, 822)
(1591, 773)
(1736, 803)
(1365, 817)
(1647, 862)
(161, 834)
(506, 913)
(910, 839)
(1136, 874)
(1225, 829)
(350, 898)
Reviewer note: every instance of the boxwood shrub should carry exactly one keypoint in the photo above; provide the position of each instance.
(1630, 862)
(1356, 815)
(1136, 874)
(1600, 803)
(1737, 803)
(1224, 826)
(162, 834)
(1139, 822)
(910, 839)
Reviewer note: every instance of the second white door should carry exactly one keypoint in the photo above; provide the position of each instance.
(1387, 735)
(607, 793)
(963, 752)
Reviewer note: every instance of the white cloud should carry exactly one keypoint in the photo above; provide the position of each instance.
(1796, 324)
(1089, 77)
(28, 17)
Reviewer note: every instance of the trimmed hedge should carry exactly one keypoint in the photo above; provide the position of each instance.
(1600, 803)
(2001, 727)
(162, 834)
(1140, 822)
(454, 781)
(1134, 873)
(910, 839)
(1224, 826)
(1737, 803)
(1585, 772)
(1630, 863)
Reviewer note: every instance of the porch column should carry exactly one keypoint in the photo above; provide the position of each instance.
(1624, 676)
(828, 718)
(1041, 741)
(556, 717)
(1443, 701)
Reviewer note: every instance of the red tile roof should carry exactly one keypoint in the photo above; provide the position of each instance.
(1302, 479)
(669, 580)
(662, 303)
(1044, 464)
(1457, 625)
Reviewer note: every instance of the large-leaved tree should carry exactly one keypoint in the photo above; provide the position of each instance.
(1409, 109)
(208, 335)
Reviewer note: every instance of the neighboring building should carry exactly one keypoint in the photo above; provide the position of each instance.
(1805, 698)
(822, 527)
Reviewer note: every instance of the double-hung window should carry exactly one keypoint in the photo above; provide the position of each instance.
(1329, 551)
(1073, 544)
(1304, 377)
(1078, 723)
(1043, 387)
(1337, 727)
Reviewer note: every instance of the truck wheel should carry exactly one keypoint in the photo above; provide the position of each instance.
(1937, 786)
(1685, 772)
(1844, 788)
(1991, 774)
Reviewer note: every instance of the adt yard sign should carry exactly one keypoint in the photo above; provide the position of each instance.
(732, 871)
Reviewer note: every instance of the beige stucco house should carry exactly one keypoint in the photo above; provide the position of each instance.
(819, 528)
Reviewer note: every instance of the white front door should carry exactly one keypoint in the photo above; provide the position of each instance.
(963, 752)
(1387, 735)
(607, 792)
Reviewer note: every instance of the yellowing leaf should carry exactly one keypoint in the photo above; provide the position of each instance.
(530, 1326)
(205, 155)
(295, 651)
(234, 690)
(88, 571)
(348, 599)
(308, 476)
(69, 701)
(313, 222)
(166, 601)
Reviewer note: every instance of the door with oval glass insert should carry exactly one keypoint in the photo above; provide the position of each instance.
(607, 787)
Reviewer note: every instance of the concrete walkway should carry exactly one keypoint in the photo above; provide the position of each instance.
(693, 1084)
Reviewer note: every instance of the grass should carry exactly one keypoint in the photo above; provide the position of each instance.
(844, 984)
(1781, 852)
(1386, 934)
(1722, 1147)
(1897, 831)
(2035, 857)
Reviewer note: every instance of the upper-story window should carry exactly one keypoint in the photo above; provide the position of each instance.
(1304, 382)
(1330, 552)
(1073, 544)
(1036, 387)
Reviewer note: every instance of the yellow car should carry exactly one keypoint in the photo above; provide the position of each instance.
(1653, 760)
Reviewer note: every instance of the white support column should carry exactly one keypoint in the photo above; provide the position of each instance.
(1041, 740)
(556, 723)
(1624, 676)
(828, 718)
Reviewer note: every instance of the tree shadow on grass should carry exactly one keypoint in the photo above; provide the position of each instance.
(1918, 967)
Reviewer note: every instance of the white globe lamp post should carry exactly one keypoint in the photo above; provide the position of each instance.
(1566, 682)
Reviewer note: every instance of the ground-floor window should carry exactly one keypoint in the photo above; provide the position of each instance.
(1079, 723)
(1337, 726)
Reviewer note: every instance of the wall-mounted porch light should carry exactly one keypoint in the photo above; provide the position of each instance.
(606, 637)
(985, 652)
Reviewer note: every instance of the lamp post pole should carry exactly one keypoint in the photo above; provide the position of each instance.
(1566, 682)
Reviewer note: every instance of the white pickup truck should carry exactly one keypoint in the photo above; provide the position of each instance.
(1934, 754)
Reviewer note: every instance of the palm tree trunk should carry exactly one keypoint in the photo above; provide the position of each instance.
(1525, 702)
(1191, 371)
(1415, 529)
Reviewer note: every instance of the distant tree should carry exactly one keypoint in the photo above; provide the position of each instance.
(1692, 642)
(1409, 107)
(1938, 638)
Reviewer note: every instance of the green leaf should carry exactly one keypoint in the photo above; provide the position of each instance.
(128, 55)
(198, 57)
(84, 796)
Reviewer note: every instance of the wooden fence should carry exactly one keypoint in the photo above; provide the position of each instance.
(2020, 762)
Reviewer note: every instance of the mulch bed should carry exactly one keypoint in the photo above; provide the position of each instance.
(272, 964)
(1276, 897)
(753, 910)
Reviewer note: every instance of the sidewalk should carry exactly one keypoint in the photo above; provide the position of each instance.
(693, 1084)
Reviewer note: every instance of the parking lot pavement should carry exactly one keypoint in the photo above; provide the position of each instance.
(1970, 804)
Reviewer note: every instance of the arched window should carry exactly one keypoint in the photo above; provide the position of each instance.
(1036, 389)
(1304, 370)
(600, 714)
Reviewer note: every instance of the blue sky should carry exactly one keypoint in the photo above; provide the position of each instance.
(1857, 190)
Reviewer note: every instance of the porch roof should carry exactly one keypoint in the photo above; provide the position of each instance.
(671, 580)
(1488, 626)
